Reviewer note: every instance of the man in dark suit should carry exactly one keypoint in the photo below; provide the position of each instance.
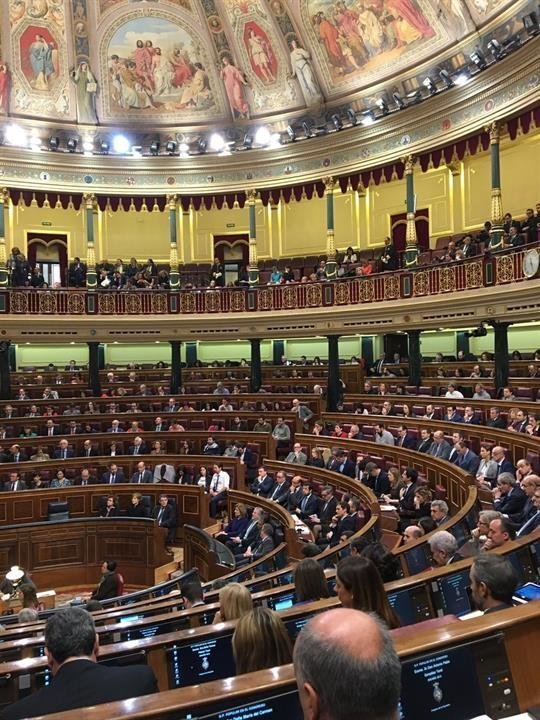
(405, 439)
(138, 447)
(470, 417)
(376, 479)
(508, 498)
(534, 520)
(141, 475)
(15, 454)
(309, 504)
(327, 510)
(160, 425)
(495, 419)
(262, 546)
(342, 522)
(493, 582)
(529, 485)
(295, 493)
(453, 415)
(72, 647)
(406, 507)
(113, 475)
(504, 465)
(115, 427)
(240, 543)
(108, 585)
(85, 478)
(165, 516)
(88, 450)
(280, 490)
(443, 546)
(263, 483)
(344, 465)
(14, 484)
(441, 448)
(50, 429)
(426, 441)
(77, 273)
(467, 459)
(63, 452)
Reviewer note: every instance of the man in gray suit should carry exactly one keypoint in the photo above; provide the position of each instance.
(297, 456)
(440, 448)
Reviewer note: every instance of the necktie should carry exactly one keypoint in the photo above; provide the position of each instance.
(50, 431)
(111, 481)
(160, 515)
(88, 452)
(140, 477)
(303, 504)
(64, 454)
(85, 482)
(136, 450)
(215, 483)
(14, 486)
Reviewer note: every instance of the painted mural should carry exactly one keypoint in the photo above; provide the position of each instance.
(106, 5)
(39, 51)
(482, 10)
(156, 67)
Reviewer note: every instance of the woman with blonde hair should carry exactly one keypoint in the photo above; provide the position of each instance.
(260, 641)
(234, 602)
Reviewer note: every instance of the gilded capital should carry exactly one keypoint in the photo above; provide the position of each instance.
(329, 184)
(409, 161)
(172, 201)
(251, 196)
(90, 201)
(4, 195)
(494, 131)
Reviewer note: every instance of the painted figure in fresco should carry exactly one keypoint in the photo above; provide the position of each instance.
(302, 70)
(409, 12)
(142, 57)
(86, 86)
(37, 8)
(5, 84)
(182, 68)
(234, 82)
(162, 73)
(41, 61)
(197, 91)
(329, 36)
(261, 56)
(346, 20)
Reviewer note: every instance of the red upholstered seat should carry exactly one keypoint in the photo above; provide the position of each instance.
(119, 584)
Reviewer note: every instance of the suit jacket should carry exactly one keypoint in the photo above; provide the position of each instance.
(58, 454)
(81, 683)
(168, 519)
(347, 523)
(531, 525)
(262, 488)
(406, 504)
(473, 420)
(380, 485)
(425, 445)
(497, 423)
(92, 480)
(327, 510)
(294, 499)
(469, 462)
(441, 450)
(309, 505)
(407, 442)
(93, 453)
(263, 547)
(107, 587)
(348, 469)
(143, 450)
(20, 485)
(169, 474)
(279, 493)
(292, 458)
(505, 466)
(119, 477)
(147, 477)
(250, 535)
(527, 512)
(511, 504)
(55, 431)
(10, 457)
(455, 417)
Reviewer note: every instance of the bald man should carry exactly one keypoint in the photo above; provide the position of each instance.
(338, 677)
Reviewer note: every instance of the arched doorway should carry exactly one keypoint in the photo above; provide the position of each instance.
(233, 253)
(50, 253)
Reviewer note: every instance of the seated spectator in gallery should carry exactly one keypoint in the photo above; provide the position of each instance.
(260, 641)
(137, 507)
(359, 586)
(235, 601)
(108, 585)
(310, 582)
(493, 582)
(443, 546)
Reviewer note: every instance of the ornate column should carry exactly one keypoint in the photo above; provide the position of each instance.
(90, 204)
(500, 347)
(256, 373)
(5, 372)
(496, 232)
(411, 240)
(93, 368)
(176, 367)
(253, 269)
(4, 203)
(331, 266)
(333, 392)
(174, 276)
(415, 358)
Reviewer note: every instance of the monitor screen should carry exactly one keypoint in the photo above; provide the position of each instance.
(535, 552)
(294, 626)
(416, 559)
(454, 598)
(130, 618)
(281, 602)
(411, 605)
(150, 630)
(522, 561)
(201, 661)
(285, 705)
(528, 592)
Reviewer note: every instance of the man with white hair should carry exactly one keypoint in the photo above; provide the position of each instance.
(303, 411)
(443, 546)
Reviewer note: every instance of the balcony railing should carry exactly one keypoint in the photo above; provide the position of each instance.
(489, 270)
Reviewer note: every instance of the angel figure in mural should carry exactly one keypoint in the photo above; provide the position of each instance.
(235, 83)
(197, 90)
(143, 58)
(260, 54)
(5, 83)
(42, 60)
(37, 8)
(86, 85)
(302, 70)
(454, 12)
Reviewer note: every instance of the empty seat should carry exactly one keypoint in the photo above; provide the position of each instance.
(58, 510)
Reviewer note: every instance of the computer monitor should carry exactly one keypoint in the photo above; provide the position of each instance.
(411, 605)
(281, 602)
(453, 596)
(417, 559)
(463, 681)
(522, 561)
(283, 705)
(151, 630)
(200, 661)
(294, 626)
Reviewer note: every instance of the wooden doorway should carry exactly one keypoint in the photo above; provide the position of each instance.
(233, 252)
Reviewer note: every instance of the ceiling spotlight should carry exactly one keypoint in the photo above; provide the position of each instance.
(136, 151)
(495, 48)
(154, 148)
(247, 143)
(72, 144)
(337, 122)
(351, 115)
(445, 77)
(462, 78)
(54, 142)
(202, 145)
(307, 127)
(291, 132)
(121, 144)
(478, 59)
(183, 149)
(262, 136)
(430, 86)
(171, 146)
(216, 142)
(383, 106)
(104, 146)
(530, 23)
(400, 102)
(35, 143)
(275, 141)
(414, 97)
(16, 135)
(88, 145)
(368, 117)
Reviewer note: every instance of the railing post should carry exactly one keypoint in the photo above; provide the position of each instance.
(174, 276)
(496, 234)
(331, 265)
(415, 358)
(334, 391)
(90, 205)
(253, 268)
(411, 239)
(500, 348)
(93, 368)
(4, 272)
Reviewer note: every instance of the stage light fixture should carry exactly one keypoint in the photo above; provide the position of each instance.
(54, 142)
(72, 144)
(352, 117)
(171, 146)
(462, 78)
(88, 145)
(495, 48)
(247, 142)
(104, 146)
(445, 77)
(368, 117)
(336, 122)
(136, 151)
(291, 132)
(16, 135)
(262, 136)
(414, 97)
(202, 145)
(430, 86)
(216, 142)
(400, 102)
(383, 106)
(531, 25)
(121, 144)
(183, 149)
(154, 148)
(477, 57)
